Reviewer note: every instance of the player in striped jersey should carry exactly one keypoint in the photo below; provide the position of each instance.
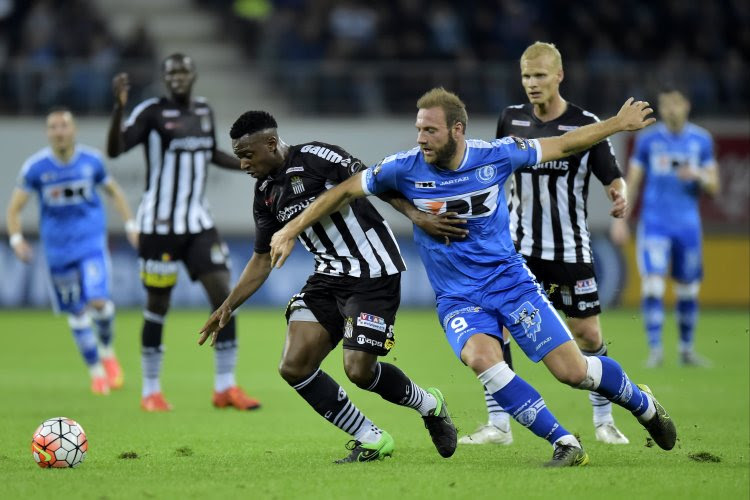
(177, 134)
(352, 295)
(481, 283)
(548, 223)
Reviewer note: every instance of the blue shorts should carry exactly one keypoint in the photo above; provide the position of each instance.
(75, 284)
(515, 301)
(657, 248)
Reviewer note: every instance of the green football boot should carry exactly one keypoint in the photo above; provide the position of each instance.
(368, 452)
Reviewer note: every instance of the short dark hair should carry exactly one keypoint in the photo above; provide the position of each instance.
(250, 122)
(669, 86)
(176, 56)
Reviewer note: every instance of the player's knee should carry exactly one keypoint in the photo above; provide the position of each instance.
(480, 356)
(360, 373)
(292, 371)
(572, 374)
(158, 303)
(652, 286)
(687, 291)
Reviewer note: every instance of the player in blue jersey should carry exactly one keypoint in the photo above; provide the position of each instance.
(481, 283)
(72, 227)
(675, 160)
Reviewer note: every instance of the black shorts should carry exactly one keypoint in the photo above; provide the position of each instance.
(570, 287)
(159, 255)
(362, 311)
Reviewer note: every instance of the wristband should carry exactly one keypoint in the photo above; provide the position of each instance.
(131, 226)
(15, 239)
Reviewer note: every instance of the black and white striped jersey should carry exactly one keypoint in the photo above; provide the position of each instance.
(179, 143)
(355, 241)
(547, 202)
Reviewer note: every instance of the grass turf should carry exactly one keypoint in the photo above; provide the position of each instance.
(285, 450)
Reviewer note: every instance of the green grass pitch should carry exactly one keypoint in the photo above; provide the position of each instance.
(285, 450)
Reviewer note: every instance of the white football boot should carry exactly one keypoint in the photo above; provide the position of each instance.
(610, 434)
(488, 434)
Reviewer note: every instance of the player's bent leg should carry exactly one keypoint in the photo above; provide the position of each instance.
(102, 313)
(605, 376)
(307, 344)
(152, 350)
(687, 317)
(652, 308)
(483, 355)
(587, 333)
(85, 340)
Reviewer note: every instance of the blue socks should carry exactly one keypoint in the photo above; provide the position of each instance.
(653, 317)
(687, 315)
(606, 376)
(84, 338)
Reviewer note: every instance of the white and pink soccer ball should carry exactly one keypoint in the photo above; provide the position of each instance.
(59, 442)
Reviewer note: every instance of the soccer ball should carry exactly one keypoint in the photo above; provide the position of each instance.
(59, 442)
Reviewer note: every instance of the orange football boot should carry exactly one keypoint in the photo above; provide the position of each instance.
(115, 377)
(99, 386)
(235, 397)
(155, 403)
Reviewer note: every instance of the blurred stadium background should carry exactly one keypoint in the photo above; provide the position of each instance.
(349, 72)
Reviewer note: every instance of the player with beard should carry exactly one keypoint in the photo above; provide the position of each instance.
(481, 283)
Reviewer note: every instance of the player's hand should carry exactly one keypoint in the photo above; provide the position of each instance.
(619, 204)
(445, 226)
(23, 251)
(687, 174)
(619, 232)
(132, 237)
(281, 247)
(634, 115)
(120, 88)
(218, 320)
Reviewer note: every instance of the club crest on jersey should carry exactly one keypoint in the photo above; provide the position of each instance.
(348, 327)
(424, 184)
(486, 174)
(528, 316)
(298, 187)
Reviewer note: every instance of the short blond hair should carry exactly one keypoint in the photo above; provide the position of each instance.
(452, 105)
(540, 49)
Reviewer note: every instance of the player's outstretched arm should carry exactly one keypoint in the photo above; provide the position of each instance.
(115, 139)
(282, 241)
(633, 115)
(253, 276)
(20, 247)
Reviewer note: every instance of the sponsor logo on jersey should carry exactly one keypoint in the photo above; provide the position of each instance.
(521, 123)
(455, 180)
(486, 174)
(554, 166)
(170, 113)
(371, 321)
(292, 210)
(585, 286)
(298, 187)
(192, 143)
(424, 184)
(529, 318)
(290, 170)
(322, 152)
(566, 128)
(69, 193)
(471, 205)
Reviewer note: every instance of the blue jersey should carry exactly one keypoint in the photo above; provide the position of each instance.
(72, 222)
(475, 192)
(667, 200)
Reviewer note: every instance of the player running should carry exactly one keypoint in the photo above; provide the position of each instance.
(676, 161)
(481, 283)
(352, 295)
(72, 226)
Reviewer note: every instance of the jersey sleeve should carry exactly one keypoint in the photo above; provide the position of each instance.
(101, 176)
(604, 163)
(381, 177)
(520, 152)
(265, 223)
(500, 131)
(707, 152)
(136, 128)
(28, 180)
(330, 162)
(640, 152)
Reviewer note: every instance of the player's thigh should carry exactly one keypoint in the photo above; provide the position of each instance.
(205, 253)
(687, 256)
(95, 273)
(159, 260)
(306, 344)
(653, 251)
(66, 293)
(369, 306)
(461, 320)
